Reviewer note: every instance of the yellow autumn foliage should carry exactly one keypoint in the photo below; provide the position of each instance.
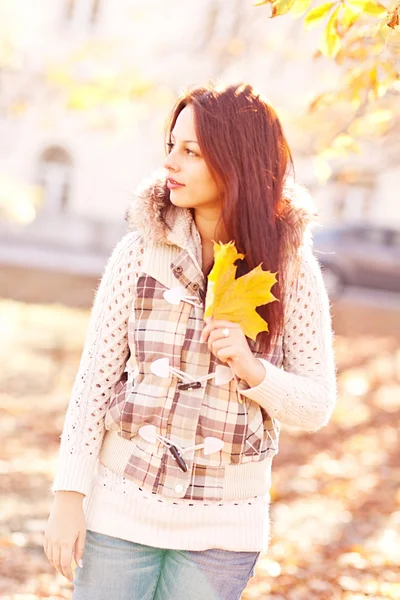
(236, 299)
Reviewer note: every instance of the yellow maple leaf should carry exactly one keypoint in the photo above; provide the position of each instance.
(236, 299)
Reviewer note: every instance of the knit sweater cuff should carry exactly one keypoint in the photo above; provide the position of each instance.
(268, 392)
(291, 399)
(74, 473)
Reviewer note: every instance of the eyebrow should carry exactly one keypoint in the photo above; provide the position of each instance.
(185, 141)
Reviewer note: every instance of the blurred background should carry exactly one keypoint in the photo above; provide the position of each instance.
(85, 90)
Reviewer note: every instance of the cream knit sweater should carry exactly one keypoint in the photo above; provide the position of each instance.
(302, 394)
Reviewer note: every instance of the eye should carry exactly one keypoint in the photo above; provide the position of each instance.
(169, 145)
(190, 152)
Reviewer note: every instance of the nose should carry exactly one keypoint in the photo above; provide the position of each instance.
(170, 162)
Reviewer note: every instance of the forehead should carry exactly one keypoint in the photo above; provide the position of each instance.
(184, 127)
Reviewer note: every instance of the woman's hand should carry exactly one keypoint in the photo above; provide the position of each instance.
(233, 349)
(65, 532)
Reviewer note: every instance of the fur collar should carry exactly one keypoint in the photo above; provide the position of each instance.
(170, 224)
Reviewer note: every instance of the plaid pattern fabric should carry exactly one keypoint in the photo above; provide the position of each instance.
(156, 330)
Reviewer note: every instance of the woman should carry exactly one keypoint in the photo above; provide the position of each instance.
(163, 478)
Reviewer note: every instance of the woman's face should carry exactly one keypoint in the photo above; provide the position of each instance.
(187, 167)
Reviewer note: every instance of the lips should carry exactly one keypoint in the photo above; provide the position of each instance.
(172, 183)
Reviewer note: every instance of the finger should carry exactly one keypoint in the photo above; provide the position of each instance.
(48, 549)
(56, 562)
(79, 548)
(44, 544)
(214, 342)
(218, 334)
(65, 563)
(227, 354)
(209, 329)
(219, 345)
(223, 324)
(205, 333)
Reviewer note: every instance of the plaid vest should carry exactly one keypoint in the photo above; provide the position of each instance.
(186, 417)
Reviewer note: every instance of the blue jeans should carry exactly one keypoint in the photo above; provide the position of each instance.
(122, 570)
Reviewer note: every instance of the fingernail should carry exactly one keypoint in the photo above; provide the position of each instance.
(80, 563)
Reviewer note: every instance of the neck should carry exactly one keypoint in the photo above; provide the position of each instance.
(206, 222)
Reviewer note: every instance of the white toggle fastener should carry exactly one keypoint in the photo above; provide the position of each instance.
(179, 294)
(148, 433)
(210, 445)
(162, 368)
(175, 295)
(222, 375)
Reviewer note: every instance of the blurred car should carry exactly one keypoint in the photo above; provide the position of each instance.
(359, 255)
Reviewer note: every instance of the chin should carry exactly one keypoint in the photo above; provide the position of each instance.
(180, 201)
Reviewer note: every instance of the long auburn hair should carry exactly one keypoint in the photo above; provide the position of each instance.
(243, 144)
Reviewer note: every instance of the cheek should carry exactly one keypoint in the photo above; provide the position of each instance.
(208, 187)
(201, 188)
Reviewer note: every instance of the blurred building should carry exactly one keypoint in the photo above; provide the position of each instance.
(85, 89)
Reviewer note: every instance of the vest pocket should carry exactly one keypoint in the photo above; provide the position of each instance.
(147, 403)
(246, 429)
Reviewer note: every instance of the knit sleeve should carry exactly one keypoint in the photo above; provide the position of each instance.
(102, 363)
(303, 393)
